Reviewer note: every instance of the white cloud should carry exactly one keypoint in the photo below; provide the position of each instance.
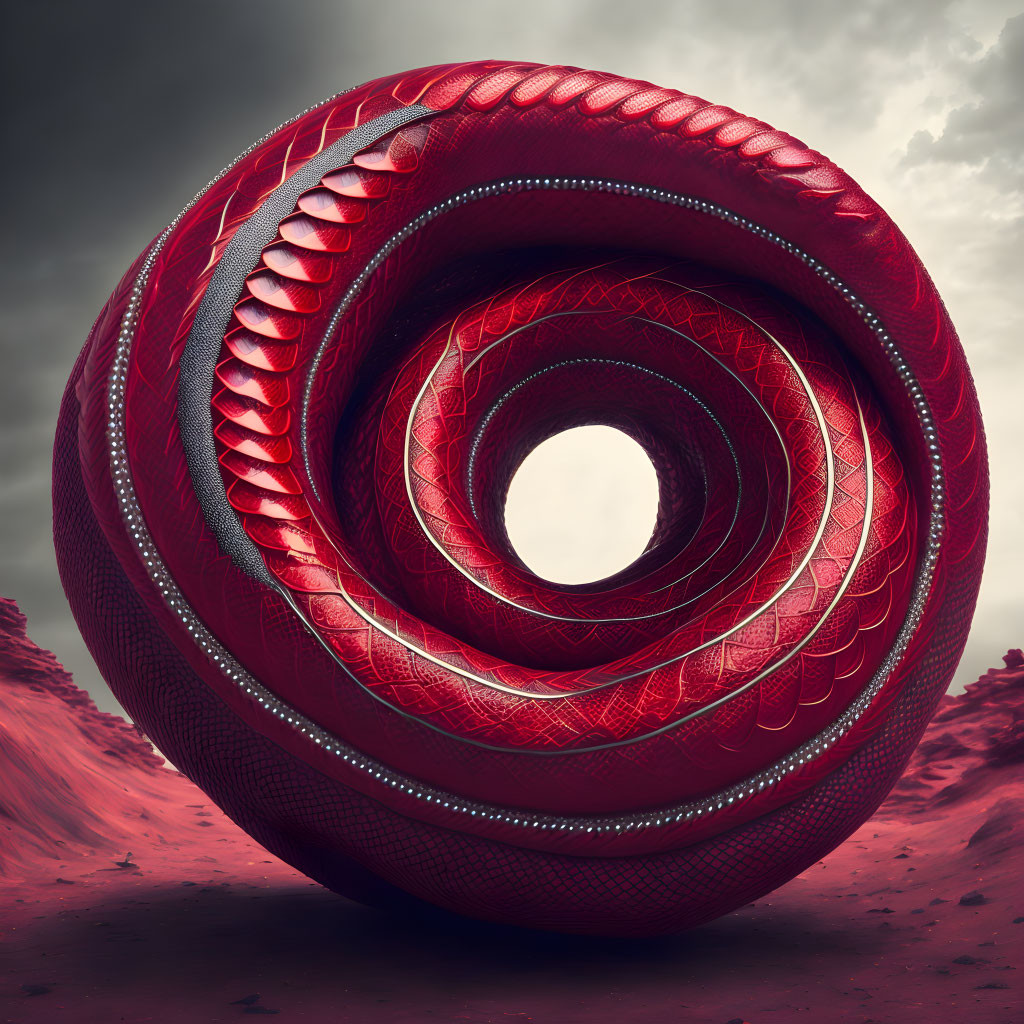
(919, 101)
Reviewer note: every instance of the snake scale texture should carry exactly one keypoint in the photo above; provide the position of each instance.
(283, 454)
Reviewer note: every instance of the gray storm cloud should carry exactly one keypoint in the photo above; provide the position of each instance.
(118, 113)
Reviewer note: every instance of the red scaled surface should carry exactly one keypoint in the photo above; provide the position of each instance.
(470, 699)
(917, 917)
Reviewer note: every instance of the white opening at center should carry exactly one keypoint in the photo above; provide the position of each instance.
(583, 505)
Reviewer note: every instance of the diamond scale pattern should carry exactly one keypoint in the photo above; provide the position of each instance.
(541, 247)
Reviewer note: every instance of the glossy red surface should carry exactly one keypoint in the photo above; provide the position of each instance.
(789, 558)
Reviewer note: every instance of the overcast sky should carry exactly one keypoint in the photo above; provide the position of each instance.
(116, 114)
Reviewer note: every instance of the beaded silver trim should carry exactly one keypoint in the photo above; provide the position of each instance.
(471, 463)
(605, 824)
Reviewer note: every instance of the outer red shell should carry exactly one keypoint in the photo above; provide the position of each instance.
(289, 560)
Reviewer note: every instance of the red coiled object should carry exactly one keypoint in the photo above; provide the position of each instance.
(283, 453)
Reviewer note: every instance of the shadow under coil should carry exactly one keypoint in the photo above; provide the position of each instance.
(282, 458)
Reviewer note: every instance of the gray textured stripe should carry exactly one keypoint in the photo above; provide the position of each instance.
(318, 738)
(199, 359)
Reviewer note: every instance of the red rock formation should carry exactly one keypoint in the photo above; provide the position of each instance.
(971, 741)
(917, 918)
(73, 777)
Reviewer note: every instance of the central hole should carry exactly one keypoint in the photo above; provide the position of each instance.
(583, 505)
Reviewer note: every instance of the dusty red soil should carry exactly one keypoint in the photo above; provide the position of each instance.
(126, 896)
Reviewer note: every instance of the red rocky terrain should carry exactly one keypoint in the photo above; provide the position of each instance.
(126, 896)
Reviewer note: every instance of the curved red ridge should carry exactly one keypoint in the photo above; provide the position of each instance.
(278, 325)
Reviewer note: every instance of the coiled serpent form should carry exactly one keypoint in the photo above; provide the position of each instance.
(282, 458)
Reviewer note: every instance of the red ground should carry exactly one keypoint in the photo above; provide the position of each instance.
(127, 896)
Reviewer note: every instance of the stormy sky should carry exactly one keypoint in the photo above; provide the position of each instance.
(117, 113)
